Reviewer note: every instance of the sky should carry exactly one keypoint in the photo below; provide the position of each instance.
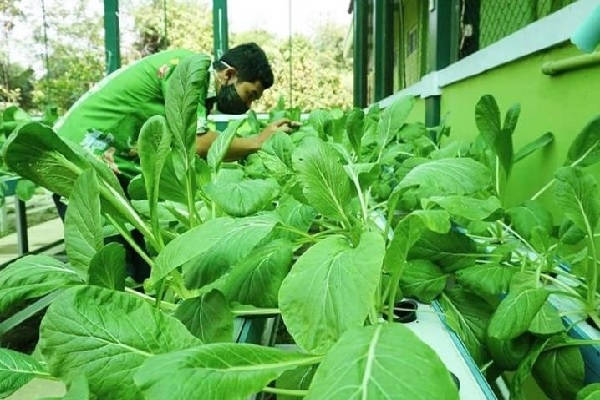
(270, 15)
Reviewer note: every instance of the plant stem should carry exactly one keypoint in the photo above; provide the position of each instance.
(191, 198)
(498, 177)
(241, 312)
(285, 392)
(542, 190)
(164, 305)
(361, 197)
(123, 232)
(298, 232)
(519, 237)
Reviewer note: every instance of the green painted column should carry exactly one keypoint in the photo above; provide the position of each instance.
(220, 28)
(383, 33)
(112, 46)
(442, 47)
(360, 14)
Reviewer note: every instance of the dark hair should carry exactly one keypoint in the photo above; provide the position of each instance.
(250, 62)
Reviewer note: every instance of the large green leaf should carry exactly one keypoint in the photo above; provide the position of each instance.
(25, 189)
(577, 196)
(560, 372)
(374, 362)
(16, 369)
(329, 290)
(508, 354)
(516, 312)
(154, 145)
(238, 196)
(228, 249)
(392, 119)
(468, 315)
(207, 317)
(107, 335)
(172, 179)
(539, 143)
(107, 268)
(547, 321)
(487, 279)
(33, 276)
(585, 149)
(294, 214)
(466, 207)
(185, 88)
(218, 149)
(215, 371)
(83, 222)
(324, 182)
(422, 280)
(257, 278)
(280, 145)
(449, 176)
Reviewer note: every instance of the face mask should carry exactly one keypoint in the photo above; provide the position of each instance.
(229, 101)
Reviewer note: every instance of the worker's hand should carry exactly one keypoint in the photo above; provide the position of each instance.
(283, 125)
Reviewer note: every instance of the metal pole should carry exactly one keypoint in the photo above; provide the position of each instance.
(21, 217)
(442, 48)
(360, 50)
(112, 46)
(384, 48)
(220, 28)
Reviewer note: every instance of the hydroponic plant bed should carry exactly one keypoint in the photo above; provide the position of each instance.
(330, 227)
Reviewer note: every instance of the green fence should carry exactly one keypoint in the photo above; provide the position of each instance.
(484, 22)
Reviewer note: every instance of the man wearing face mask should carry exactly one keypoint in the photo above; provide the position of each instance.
(107, 119)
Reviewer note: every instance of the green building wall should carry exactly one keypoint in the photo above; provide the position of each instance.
(560, 104)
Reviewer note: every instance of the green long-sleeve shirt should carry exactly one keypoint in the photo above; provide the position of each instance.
(107, 119)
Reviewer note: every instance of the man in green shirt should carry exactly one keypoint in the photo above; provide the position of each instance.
(107, 120)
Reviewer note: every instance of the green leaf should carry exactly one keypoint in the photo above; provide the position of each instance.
(577, 196)
(107, 268)
(106, 336)
(238, 196)
(516, 312)
(280, 145)
(154, 147)
(185, 88)
(487, 119)
(218, 370)
(508, 354)
(329, 290)
(257, 278)
(452, 250)
(525, 217)
(468, 316)
(560, 372)
(531, 147)
(207, 317)
(35, 152)
(547, 321)
(449, 176)
(585, 149)
(364, 365)
(31, 277)
(466, 207)
(83, 222)
(79, 389)
(488, 279)
(235, 242)
(589, 392)
(295, 214)
(422, 280)
(355, 128)
(16, 369)
(218, 149)
(172, 179)
(178, 251)
(296, 379)
(323, 179)
(523, 372)
(393, 118)
(25, 189)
